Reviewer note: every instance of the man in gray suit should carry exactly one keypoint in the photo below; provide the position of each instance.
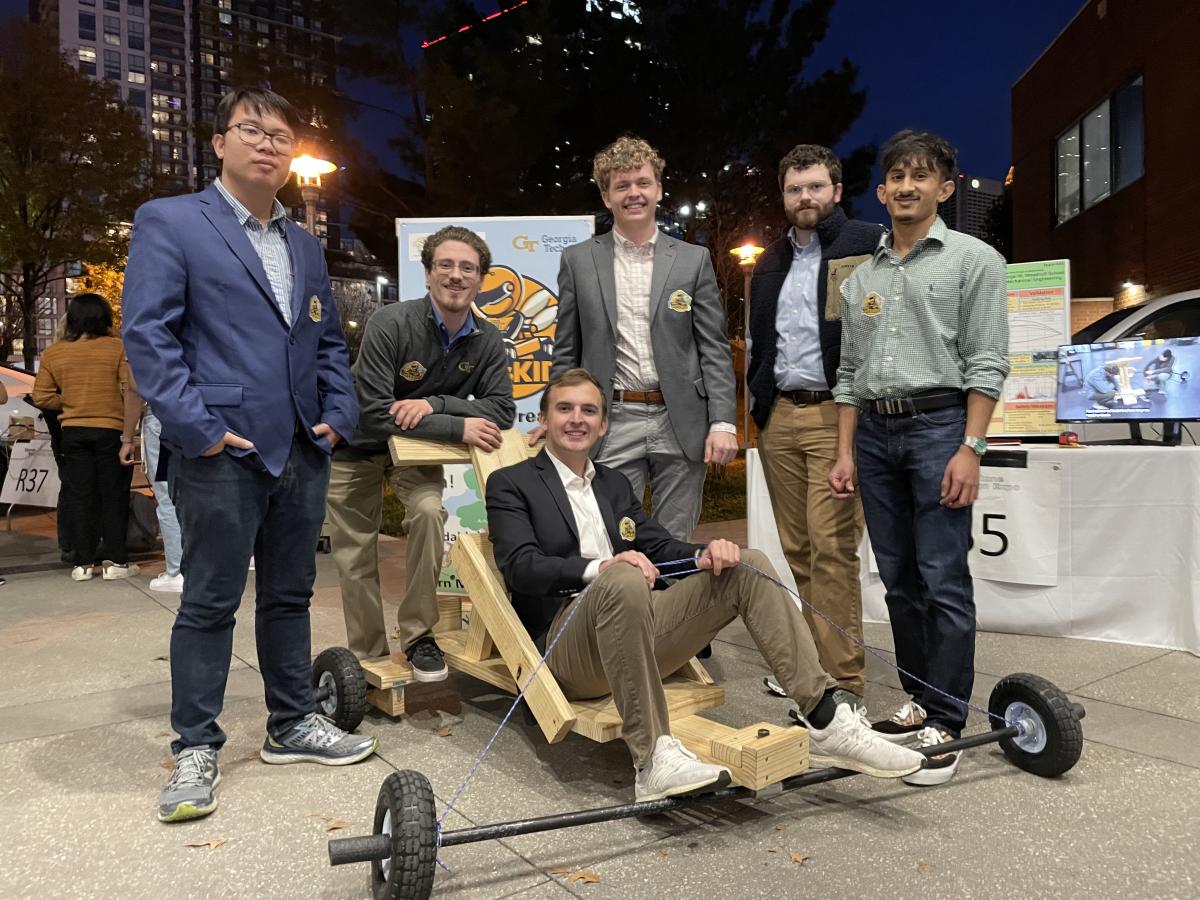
(640, 310)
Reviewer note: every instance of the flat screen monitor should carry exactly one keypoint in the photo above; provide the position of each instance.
(1129, 381)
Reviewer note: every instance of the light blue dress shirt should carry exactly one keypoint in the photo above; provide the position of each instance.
(270, 243)
(798, 361)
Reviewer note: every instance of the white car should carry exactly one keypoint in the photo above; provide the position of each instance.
(1172, 316)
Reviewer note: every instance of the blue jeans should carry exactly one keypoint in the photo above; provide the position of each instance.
(168, 523)
(227, 511)
(921, 548)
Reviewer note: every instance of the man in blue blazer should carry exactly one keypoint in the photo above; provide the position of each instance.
(234, 339)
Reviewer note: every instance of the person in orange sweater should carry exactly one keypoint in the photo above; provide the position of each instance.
(86, 378)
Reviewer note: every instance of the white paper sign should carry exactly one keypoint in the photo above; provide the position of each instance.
(1014, 524)
(32, 478)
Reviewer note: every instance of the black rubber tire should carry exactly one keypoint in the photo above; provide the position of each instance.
(349, 686)
(1064, 734)
(409, 797)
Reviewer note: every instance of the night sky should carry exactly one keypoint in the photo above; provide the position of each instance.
(949, 69)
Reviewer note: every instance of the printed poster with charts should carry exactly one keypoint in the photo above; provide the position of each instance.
(1039, 320)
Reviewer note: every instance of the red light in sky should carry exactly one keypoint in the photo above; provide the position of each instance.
(425, 45)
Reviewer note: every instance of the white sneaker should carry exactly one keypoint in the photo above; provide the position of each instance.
(674, 770)
(113, 572)
(938, 769)
(903, 726)
(82, 573)
(849, 743)
(167, 584)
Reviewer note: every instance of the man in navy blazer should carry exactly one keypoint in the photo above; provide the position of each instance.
(581, 559)
(233, 336)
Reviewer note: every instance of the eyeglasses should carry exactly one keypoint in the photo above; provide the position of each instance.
(799, 190)
(446, 266)
(252, 136)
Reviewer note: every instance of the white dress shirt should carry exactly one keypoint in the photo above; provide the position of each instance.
(799, 364)
(594, 543)
(633, 269)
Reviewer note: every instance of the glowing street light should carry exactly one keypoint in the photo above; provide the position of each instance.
(747, 255)
(309, 170)
(380, 282)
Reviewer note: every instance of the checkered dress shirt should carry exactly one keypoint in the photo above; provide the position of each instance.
(937, 318)
(633, 266)
(270, 243)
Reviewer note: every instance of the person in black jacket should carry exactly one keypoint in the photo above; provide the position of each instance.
(795, 330)
(581, 558)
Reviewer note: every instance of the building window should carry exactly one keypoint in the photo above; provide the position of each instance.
(112, 65)
(87, 60)
(112, 5)
(137, 99)
(137, 69)
(112, 31)
(87, 26)
(137, 36)
(1101, 153)
(1130, 133)
(137, 9)
(87, 2)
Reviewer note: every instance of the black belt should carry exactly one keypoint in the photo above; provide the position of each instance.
(803, 398)
(923, 402)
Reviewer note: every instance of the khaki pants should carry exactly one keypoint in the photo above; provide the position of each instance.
(820, 534)
(355, 508)
(625, 638)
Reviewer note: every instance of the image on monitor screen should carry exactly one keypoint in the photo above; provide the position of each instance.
(1129, 381)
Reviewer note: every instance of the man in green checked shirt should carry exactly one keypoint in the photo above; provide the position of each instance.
(924, 357)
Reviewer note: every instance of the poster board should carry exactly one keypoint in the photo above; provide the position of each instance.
(519, 295)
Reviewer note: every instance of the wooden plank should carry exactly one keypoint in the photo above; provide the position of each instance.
(754, 761)
(409, 451)
(693, 670)
(513, 449)
(489, 600)
(493, 671)
(449, 614)
(479, 643)
(387, 671)
(598, 720)
(389, 701)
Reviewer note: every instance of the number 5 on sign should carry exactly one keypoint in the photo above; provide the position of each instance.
(1014, 524)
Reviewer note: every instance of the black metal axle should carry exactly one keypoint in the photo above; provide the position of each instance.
(379, 846)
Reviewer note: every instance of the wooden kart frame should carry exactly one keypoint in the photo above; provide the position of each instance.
(495, 648)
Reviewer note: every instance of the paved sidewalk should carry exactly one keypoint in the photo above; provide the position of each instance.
(83, 747)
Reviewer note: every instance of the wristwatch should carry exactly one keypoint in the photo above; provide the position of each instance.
(979, 445)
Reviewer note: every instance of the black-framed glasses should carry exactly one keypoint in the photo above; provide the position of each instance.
(252, 135)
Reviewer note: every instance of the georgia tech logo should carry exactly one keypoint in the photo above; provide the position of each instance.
(521, 242)
(526, 312)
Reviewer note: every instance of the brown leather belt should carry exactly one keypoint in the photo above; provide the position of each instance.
(804, 398)
(637, 397)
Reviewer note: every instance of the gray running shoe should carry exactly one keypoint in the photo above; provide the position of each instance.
(189, 793)
(316, 739)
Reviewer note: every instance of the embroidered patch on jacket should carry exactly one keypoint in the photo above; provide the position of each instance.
(314, 308)
(412, 371)
(839, 271)
(466, 366)
(627, 529)
(680, 301)
(872, 304)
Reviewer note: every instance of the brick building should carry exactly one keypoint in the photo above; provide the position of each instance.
(1105, 168)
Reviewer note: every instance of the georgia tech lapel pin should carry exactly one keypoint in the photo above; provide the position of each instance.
(627, 530)
(314, 308)
(412, 371)
(680, 301)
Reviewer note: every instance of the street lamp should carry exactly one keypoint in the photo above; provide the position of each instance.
(309, 170)
(380, 282)
(747, 255)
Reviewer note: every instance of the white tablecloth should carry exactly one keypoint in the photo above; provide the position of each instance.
(1128, 551)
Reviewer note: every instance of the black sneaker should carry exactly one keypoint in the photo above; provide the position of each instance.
(904, 724)
(426, 660)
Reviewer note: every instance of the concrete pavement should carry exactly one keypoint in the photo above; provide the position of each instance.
(84, 735)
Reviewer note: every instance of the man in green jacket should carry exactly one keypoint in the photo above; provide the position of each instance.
(429, 368)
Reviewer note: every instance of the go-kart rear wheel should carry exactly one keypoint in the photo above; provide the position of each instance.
(404, 812)
(1052, 737)
(341, 687)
